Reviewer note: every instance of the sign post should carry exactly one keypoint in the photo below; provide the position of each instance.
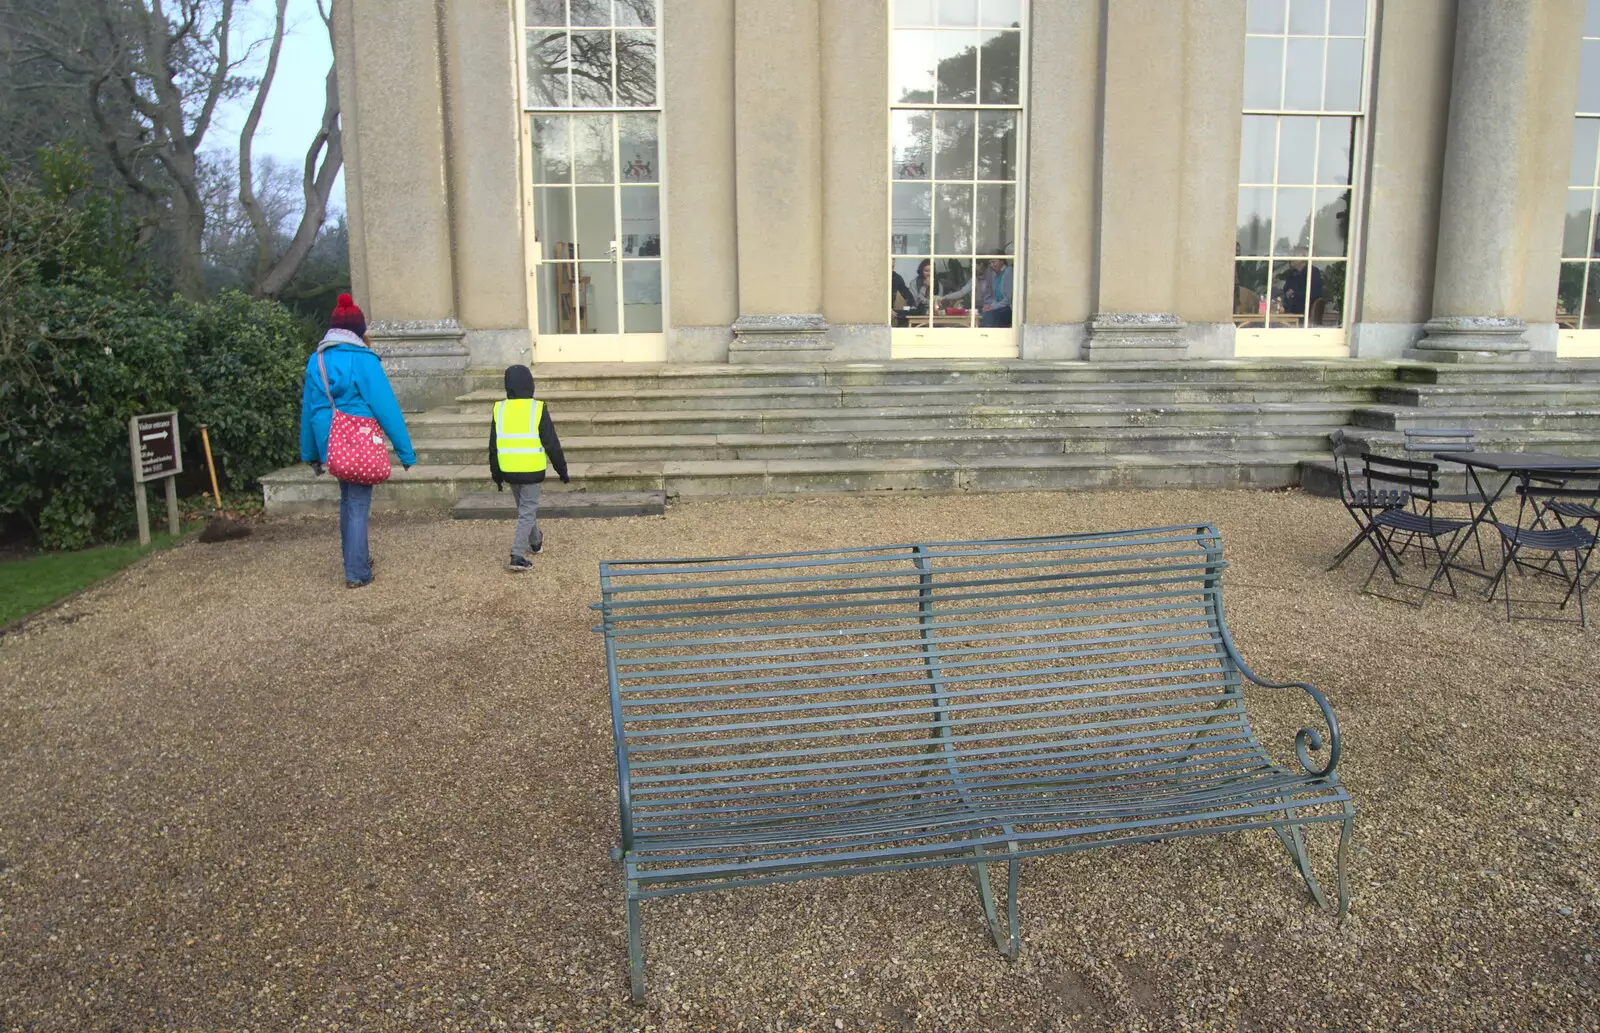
(153, 440)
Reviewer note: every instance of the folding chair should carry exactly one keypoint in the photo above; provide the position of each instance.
(1564, 538)
(1433, 440)
(1361, 504)
(1421, 481)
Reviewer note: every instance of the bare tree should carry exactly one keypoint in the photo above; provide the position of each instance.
(276, 266)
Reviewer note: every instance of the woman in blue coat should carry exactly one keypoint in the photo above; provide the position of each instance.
(359, 387)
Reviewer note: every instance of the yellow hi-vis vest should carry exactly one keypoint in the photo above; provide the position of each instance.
(516, 435)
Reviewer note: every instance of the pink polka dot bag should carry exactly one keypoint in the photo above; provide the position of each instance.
(357, 451)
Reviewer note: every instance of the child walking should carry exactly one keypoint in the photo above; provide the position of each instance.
(522, 445)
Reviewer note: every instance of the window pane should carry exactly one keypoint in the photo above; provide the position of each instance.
(1266, 16)
(1297, 150)
(598, 284)
(1326, 295)
(591, 69)
(1291, 226)
(1302, 89)
(1344, 75)
(1256, 148)
(1001, 61)
(1580, 211)
(641, 297)
(913, 65)
(1591, 303)
(597, 221)
(1255, 220)
(1308, 17)
(1294, 283)
(641, 222)
(1330, 236)
(1250, 294)
(913, 12)
(547, 63)
(636, 69)
(552, 155)
(912, 223)
(953, 278)
(958, 12)
(641, 150)
(1585, 137)
(1347, 17)
(1333, 157)
(1263, 73)
(953, 144)
(957, 57)
(591, 12)
(591, 149)
(552, 221)
(997, 204)
(636, 12)
(952, 222)
(1569, 295)
(911, 301)
(547, 12)
(910, 137)
(1589, 77)
(1002, 13)
(1591, 19)
(558, 298)
(997, 145)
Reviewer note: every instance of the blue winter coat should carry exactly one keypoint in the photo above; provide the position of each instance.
(355, 376)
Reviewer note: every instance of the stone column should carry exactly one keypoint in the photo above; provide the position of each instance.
(778, 182)
(399, 194)
(1504, 99)
(1141, 183)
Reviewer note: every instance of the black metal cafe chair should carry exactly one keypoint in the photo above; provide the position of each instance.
(1574, 538)
(1434, 440)
(1361, 503)
(1422, 525)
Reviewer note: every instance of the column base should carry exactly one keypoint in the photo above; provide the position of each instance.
(426, 360)
(1457, 339)
(780, 339)
(1135, 337)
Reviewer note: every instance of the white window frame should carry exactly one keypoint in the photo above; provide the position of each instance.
(621, 346)
(1576, 342)
(1320, 342)
(967, 342)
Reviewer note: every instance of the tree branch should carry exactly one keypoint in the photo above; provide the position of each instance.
(247, 140)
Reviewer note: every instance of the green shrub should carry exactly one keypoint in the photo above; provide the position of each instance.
(85, 344)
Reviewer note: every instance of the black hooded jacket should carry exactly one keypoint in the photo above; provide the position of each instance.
(519, 384)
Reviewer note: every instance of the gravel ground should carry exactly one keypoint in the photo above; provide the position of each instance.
(236, 796)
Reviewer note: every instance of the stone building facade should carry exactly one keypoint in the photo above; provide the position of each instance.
(794, 180)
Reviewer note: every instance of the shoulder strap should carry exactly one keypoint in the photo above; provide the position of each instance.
(323, 369)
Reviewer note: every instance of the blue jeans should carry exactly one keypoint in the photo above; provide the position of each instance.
(355, 502)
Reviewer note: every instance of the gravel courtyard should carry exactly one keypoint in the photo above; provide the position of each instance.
(235, 796)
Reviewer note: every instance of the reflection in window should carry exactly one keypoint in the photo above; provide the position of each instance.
(1576, 304)
(1304, 98)
(596, 173)
(955, 112)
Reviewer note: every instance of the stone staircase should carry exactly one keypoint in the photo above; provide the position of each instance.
(975, 425)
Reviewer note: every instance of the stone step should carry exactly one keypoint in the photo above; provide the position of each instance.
(1319, 475)
(555, 505)
(897, 444)
(961, 396)
(576, 376)
(1502, 420)
(581, 423)
(1571, 443)
(296, 490)
(1566, 371)
(1460, 396)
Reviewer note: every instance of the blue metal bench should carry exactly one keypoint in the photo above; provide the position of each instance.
(849, 711)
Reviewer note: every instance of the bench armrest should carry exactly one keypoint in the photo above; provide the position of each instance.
(1307, 740)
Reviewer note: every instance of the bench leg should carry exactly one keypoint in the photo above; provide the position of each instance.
(1007, 937)
(1295, 843)
(1344, 848)
(635, 947)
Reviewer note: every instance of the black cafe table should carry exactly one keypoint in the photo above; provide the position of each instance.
(1516, 466)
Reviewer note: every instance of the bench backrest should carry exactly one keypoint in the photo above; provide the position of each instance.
(836, 680)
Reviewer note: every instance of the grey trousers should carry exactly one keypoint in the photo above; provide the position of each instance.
(529, 537)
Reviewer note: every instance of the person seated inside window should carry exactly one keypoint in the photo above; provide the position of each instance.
(993, 299)
(1300, 285)
(906, 300)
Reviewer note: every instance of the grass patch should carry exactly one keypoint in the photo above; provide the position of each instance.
(31, 584)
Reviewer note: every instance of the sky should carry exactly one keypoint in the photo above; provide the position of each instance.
(294, 104)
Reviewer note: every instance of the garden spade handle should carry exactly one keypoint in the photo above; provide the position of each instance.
(211, 467)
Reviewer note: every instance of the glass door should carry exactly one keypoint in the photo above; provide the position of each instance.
(593, 156)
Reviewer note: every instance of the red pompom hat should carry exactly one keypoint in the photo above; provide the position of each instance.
(346, 316)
